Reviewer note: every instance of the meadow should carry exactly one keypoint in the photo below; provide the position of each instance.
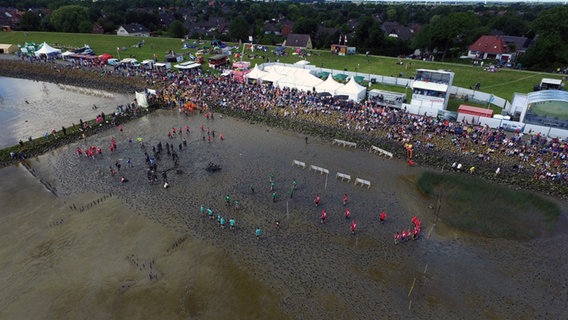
(503, 83)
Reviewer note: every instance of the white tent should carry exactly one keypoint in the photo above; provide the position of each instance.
(329, 85)
(67, 53)
(256, 73)
(353, 90)
(302, 62)
(287, 70)
(141, 99)
(301, 82)
(47, 50)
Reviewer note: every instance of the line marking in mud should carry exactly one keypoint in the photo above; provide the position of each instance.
(411, 288)
(425, 268)
(409, 304)
(430, 232)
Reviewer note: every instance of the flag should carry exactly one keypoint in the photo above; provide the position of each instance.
(491, 99)
(117, 48)
(339, 39)
(345, 39)
(250, 38)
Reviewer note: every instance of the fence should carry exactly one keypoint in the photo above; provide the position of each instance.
(381, 151)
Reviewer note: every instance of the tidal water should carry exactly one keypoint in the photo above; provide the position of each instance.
(31, 108)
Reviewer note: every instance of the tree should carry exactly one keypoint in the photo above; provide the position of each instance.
(68, 18)
(239, 29)
(306, 25)
(31, 21)
(550, 50)
(177, 30)
(446, 32)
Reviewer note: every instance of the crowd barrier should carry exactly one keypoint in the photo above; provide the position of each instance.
(363, 182)
(319, 169)
(344, 143)
(299, 163)
(343, 176)
(381, 151)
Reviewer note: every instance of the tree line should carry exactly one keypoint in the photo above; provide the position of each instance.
(442, 31)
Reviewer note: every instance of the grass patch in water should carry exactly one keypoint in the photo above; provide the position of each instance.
(472, 204)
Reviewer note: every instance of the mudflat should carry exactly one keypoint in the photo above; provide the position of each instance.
(77, 242)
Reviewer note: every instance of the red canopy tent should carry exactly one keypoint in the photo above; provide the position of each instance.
(104, 57)
(475, 111)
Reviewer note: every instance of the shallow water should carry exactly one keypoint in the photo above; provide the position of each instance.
(85, 246)
(30, 108)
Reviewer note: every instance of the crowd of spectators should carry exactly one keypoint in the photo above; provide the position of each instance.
(532, 153)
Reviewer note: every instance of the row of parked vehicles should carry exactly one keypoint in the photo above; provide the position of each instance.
(132, 62)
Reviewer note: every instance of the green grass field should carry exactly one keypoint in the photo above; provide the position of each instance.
(555, 109)
(502, 84)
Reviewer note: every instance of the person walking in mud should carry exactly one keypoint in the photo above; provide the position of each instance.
(228, 200)
(323, 216)
(317, 200)
(258, 233)
(345, 198)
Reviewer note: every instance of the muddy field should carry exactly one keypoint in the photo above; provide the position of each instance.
(76, 242)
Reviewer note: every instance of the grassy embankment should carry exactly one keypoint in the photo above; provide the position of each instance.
(488, 209)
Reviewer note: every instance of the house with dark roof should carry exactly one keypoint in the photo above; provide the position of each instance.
(490, 47)
(395, 30)
(166, 18)
(518, 44)
(10, 17)
(133, 29)
(214, 25)
(271, 27)
(97, 29)
(295, 40)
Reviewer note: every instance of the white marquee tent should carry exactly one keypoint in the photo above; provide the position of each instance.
(301, 82)
(256, 73)
(329, 85)
(47, 50)
(353, 90)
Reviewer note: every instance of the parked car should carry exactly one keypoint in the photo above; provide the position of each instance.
(113, 62)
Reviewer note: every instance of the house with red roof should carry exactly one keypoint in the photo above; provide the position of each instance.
(490, 47)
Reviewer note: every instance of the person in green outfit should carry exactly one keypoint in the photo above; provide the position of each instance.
(273, 196)
(228, 200)
(258, 233)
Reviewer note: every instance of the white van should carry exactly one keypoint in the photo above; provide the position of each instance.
(148, 63)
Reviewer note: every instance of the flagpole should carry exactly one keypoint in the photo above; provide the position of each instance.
(118, 52)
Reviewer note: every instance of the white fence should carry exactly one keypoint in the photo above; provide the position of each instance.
(344, 143)
(319, 169)
(381, 151)
(363, 182)
(299, 163)
(343, 176)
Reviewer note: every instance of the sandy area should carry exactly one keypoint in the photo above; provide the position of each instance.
(91, 242)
